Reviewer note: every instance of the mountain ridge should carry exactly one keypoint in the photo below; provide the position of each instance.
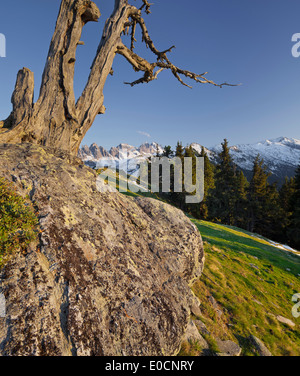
(281, 155)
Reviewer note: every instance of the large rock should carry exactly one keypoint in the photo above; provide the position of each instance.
(192, 335)
(201, 327)
(109, 274)
(286, 321)
(259, 346)
(228, 348)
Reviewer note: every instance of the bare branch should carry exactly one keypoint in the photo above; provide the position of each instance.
(200, 78)
(138, 63)
(147, 6)
(133, 35)
(56, 120)
(162, 62)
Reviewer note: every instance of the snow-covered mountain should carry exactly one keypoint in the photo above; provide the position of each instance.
(124, 157)
(281, 155)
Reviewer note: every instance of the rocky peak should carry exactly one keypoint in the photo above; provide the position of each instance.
(98, 152)
(147, 148)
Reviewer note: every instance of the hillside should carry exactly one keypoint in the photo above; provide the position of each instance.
(252, 284)
(246, 290)
(132, 262)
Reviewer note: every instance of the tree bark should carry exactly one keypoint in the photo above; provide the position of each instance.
(55, 120)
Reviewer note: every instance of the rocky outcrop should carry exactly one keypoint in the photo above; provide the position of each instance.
(201, 327)
(109, 274)
(192, 335)
(259, 346)
(228, 348)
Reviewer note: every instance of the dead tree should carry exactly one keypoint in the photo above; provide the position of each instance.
(56, 119)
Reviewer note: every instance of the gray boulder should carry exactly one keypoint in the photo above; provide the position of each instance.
(259, 346)
(228, 348)
(108, 275)
(286, 321)
(192, 335)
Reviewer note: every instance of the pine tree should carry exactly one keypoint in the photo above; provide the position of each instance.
(286, 194)
(294, 228)
(241, 209)
(273, 224)
(177, 198)
(265, 213)
(179, 150)
(222, 203)
(209, 174)
(189, 152)
(209, 185)
(257, 194)
(168, 152)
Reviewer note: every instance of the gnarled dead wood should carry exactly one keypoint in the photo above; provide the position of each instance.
(55, 120)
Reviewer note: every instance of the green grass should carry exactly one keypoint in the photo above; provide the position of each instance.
(249, 280)
(239, 240)
(18, 222)
(192, 348)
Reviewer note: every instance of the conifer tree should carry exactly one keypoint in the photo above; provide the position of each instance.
(209, 185)
(294, 228)
(273, 224)
(178, 198)
(168, 152)
(179, 150)
(265, 213)
(223, 202)
(286, 194)
(257, 194)
(241, 210)
(189, 152)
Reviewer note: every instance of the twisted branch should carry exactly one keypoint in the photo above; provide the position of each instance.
(163, 62)
(56, 119)
(147, 6)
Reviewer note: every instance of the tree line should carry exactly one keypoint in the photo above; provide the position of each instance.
(230, 198)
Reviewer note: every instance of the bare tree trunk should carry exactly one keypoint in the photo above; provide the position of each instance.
(55, 120)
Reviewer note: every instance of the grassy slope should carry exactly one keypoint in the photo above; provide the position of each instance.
(249, 280)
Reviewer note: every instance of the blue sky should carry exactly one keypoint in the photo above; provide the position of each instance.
(238, 41)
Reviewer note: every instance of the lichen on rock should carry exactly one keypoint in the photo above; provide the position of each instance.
(110, 275)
